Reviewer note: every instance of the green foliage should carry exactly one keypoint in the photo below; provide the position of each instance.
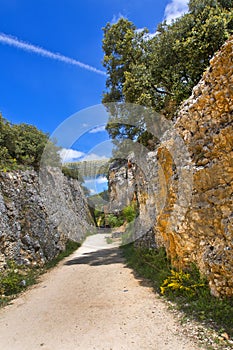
(99, 217)
(160, 72)
(15, 279)
(50, 156)
(72, 173)
(182, 283)
(71, 246)
(119, 48)
(28, 144)
(128, 235)
(129, 213)
(188, 289)
(152, 264)
(10, 283)
(109, 240)
(114, 221)
(98, 200)
(23, 145)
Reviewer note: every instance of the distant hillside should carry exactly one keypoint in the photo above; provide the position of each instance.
(99, 200)
(90, 168)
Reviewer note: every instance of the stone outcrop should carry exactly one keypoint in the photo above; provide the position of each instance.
(36, 222)
(193, 218)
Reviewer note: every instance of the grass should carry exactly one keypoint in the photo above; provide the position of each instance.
(71, 246)
(109, 240)
(187, 289)
(16, 278)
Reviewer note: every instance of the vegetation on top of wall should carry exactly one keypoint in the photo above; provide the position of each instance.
(22, 146)
(72, 173)
(90, 168)
(99, 200)
(159, 71)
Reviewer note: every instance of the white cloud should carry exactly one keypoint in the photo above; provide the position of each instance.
(146, 36)
(149, 36)
(139, 30)
(101, 180)
(97, 181)
(70, 155)
(93, 156)
(97, 129)
(96, 185)
(175, 9)
(13, 41)
(116, 18)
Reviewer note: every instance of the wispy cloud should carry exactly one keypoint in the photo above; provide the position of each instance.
(116, 18)
(98, 180)
(100, 128)
(175, 9)
(102, 180)
(93, 156)
(96, 185)
(70, 155)
(13, 41)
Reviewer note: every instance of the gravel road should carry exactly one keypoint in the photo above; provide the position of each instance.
(91, 300)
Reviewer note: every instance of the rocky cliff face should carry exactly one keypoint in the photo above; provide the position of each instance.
(195, 224)
(35, 223)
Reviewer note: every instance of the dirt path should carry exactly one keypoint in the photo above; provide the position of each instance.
(90, 301)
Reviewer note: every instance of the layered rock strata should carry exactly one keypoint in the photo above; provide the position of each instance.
(36, 222)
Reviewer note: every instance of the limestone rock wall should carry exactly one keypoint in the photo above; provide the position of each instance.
(34, 224)
(205, 123)
(200, 229)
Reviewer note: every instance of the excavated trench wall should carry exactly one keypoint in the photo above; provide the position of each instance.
(202, 230)
(35, 223)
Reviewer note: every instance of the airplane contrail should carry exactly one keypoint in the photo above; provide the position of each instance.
(13, 41)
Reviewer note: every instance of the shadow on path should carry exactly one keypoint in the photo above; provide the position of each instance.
(99, 257)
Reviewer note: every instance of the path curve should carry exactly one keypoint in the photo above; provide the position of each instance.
(91, 300)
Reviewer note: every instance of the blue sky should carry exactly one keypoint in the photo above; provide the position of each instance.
(43, 91)
(43, 42)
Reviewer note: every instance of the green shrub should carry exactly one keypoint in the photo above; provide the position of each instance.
(188, 289)
(10, 284)
(152, 264)
(129, 213)
(71, 246)
(115, 221)
(15, 278)
(181, 283)
(22, 147)
(128, 235)
(72, 173)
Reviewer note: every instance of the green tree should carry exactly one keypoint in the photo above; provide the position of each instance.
(121, 48)
(160, 72)
(23, 145)
(6, 144)
(29, 143)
